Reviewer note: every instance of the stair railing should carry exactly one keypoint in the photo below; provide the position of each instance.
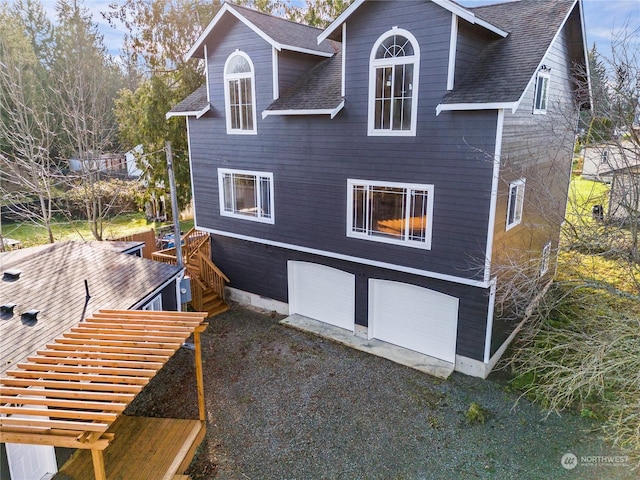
(212, 276)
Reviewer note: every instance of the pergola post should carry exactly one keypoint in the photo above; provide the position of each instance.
(199, 377)
(98, 464)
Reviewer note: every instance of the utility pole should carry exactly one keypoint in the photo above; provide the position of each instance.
(177, 237)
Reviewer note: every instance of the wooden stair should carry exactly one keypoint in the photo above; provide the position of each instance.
(207, 280)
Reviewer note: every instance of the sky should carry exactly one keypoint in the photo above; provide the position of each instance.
(603, 19)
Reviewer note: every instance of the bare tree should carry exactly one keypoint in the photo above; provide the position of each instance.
(27, 174)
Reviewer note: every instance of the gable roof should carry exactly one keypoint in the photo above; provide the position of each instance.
(502, 72)
(282, 34)
(53, 282)
(332, 31)
(319, 91)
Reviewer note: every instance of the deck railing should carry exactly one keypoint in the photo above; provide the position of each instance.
(193, 241)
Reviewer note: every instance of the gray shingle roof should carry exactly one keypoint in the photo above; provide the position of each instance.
(318, 89)
(52, 281)
(285, 31)
(503, 70)
(196, 102)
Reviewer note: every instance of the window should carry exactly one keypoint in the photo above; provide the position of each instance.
(155, 304)
(516, 201)
(546, 255)
(239, 91)
(393, 84)
(247, 195)
(399, 213)
(604, 158)
(541, 93)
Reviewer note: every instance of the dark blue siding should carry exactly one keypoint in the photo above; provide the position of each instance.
(262, 270)
(312, 157)
(291, 65)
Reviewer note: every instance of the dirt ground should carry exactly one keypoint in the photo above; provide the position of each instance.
(284, 404)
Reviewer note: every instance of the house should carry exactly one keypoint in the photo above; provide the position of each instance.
(602, 160)
(375, 176)
(624, 196)
(46, 290)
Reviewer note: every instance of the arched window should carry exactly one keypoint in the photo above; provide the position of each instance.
(393, 84)
(240, 93)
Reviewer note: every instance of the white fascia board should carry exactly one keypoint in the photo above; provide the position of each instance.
(321, 111)
(226, 8)
(339, 21)
(451, 107)
(542, 60)
(349, 258)
(585, 53)
(447, 4)
(192, 113)
(203, 36)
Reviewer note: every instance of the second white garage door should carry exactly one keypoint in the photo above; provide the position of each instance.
(413, 317)
(322, 293)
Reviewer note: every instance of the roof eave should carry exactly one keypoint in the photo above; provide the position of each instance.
(190, 113)
(332, 112)
(456, 107)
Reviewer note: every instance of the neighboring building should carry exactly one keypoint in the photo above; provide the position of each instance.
(624, 196)
(602, 160)
(377, 174)
(46, 290)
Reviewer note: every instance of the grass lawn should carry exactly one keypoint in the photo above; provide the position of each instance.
(30, 234)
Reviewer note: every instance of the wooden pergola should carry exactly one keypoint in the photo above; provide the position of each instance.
(72, 394)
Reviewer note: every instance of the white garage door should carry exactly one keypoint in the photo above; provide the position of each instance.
(413, 317)
(322, 293)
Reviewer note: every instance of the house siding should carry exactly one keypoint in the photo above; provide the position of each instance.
(291, 65)
(471, 40)
(242, 259)
(538, 148)
(312, 157)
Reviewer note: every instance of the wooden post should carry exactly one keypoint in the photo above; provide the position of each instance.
(98, 464)
(199, 378)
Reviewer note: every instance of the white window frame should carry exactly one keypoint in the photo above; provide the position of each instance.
(375, 63)
(155, 304)
(227, 95)
(545, 259)
(258, 176)
(543, 79)
(519, 185)
(426, 244)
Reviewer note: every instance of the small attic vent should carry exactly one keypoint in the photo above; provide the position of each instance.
(12, 274)
(30, 316)
(7, 308)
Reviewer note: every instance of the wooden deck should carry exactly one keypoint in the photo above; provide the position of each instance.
(143, 448)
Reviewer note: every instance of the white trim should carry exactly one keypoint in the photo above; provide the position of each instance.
(179, 292)
(408, 187)
(585, 53)
(191, 173)
(227, 8)
(274, 70)
(350, 258)
(155, 304)
(518, 184)
(157, 291)
(374, 64)
(344, 61)
(493, 202)
(321, 111)
(489, 325)
(451, 107)
(227, 107)
(542, 60)
(192, 113)
(206, 72)
(258, 176)
(447, 4)
(453, 45)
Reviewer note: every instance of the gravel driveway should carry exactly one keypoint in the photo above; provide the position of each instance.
(284, 404)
